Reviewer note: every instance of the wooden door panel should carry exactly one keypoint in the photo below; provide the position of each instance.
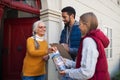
(16, 31)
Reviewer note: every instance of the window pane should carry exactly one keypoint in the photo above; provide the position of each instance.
(110, 33)
(32, 3)
(106, 51)
(110, 53)
(110, 43)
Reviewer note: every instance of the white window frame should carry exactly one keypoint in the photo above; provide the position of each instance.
(108, 32)
(116, 2)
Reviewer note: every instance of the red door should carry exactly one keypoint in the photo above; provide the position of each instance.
(16, 31)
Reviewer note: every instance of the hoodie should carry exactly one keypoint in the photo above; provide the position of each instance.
(100, 36)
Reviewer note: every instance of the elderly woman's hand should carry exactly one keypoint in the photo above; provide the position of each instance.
(52, 49)
(46, 57)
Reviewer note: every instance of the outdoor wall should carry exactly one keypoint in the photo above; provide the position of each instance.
(107, 12)
(50, 14)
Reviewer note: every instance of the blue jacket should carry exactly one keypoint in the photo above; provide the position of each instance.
(74, 39)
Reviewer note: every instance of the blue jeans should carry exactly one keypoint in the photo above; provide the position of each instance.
(66, 78)
(41, 77)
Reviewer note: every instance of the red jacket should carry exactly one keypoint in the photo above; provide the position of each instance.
(101, 71)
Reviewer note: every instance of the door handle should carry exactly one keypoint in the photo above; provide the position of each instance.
(19, 48)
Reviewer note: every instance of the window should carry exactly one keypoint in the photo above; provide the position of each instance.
(116, 2)
(108, 32)
(32, 3)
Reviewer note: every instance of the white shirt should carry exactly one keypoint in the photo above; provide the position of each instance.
(38, 38)
(88, 61)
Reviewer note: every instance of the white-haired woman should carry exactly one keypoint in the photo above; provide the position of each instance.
(37, 49)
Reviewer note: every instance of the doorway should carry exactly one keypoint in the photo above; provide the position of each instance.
(16, 31)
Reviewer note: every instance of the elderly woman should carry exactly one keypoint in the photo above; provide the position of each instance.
(37, 49)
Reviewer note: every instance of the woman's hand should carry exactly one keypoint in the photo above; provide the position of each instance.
(46, 57)
(62, 73)
(52, 49)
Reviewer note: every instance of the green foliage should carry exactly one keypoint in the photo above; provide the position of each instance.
(117, 76)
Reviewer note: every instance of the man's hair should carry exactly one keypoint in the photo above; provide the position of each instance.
(70, 10)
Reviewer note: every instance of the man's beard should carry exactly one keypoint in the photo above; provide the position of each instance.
(67, 24)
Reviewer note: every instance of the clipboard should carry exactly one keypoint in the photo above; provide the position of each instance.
(62, 50)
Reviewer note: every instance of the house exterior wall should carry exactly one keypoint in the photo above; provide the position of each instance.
(107, 12)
